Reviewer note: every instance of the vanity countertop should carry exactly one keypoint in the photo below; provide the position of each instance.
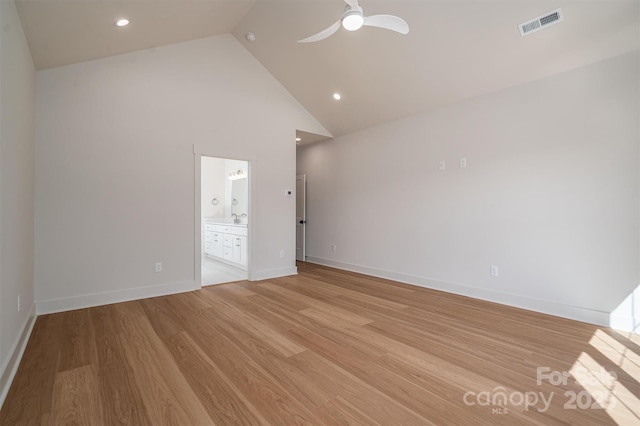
(225, 221)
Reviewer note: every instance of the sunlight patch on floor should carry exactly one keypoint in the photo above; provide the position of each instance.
(603, 390)
(619, 354)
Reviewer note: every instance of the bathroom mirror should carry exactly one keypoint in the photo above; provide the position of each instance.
(240, 197)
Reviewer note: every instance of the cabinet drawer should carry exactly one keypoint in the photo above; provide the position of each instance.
(228, 240)
(222, 228)
(239, 230)
(208, 236)
(208, 227)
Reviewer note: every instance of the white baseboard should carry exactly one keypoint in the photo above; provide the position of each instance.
(273, 273)
(10, 367)
(98, 299)
(538, 305)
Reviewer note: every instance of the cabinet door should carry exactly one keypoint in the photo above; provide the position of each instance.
(208, 240)
(228, 253)
(218, 244)
(240, 249)
(228, 240)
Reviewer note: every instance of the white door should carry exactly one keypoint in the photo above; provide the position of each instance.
(301, 216)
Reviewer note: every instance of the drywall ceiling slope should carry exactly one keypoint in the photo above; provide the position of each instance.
(61, 32)
(454, 50)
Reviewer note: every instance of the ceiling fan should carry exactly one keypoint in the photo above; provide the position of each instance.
(352, 19)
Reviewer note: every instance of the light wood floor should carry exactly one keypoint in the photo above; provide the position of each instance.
(324, 347)
(216, 272)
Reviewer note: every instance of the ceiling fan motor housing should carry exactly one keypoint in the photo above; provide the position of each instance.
(352, 19)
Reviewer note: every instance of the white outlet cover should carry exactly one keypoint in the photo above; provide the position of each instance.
(494, 271)
(442, 165)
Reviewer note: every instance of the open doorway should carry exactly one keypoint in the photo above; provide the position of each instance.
(304, 174)
(301, 217)
(224, 218)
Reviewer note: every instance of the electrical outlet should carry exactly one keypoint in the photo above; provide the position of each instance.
(463, 163)
(494, 271)
(333, 248)
(281, 253)
(19, 303)
(442, 165)
(159, 267)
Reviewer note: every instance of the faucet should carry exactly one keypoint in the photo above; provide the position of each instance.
(235, 218)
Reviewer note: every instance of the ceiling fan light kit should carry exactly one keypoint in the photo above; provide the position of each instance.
(353, 19)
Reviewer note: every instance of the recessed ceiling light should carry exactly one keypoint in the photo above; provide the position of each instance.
(298, 139)
(251, 37)
(337, 96)
(122, 22)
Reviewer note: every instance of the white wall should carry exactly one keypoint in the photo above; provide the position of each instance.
(213, 184)
(17, 138)
(550, 194)
(115, 167)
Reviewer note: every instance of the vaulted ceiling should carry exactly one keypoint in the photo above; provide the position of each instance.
(456, 49)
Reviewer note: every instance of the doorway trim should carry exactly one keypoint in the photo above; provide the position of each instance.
(198, 153)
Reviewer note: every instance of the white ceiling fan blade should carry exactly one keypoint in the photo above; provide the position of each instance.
(322, 34)
(388, 22)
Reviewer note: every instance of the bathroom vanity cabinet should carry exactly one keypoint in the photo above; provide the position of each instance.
(226, 242)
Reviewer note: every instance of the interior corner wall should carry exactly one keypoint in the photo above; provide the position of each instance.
(17, 139)
(115, 166)
(550, 194)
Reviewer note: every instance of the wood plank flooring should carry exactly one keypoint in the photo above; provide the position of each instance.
(324, 347)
